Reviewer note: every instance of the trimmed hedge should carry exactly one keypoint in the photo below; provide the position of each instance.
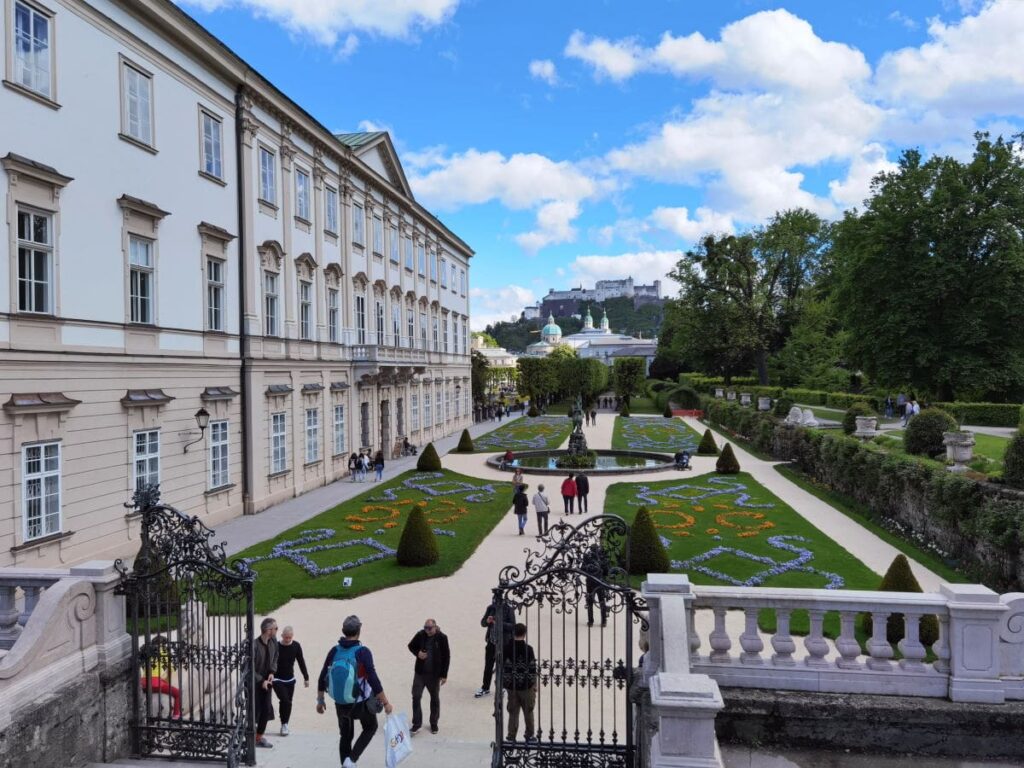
(727, 463)
(783, 406)
(707, 445)
(850, 417)
(1013, 462)
(418, 545)
(985, 414)
(923, 435)
(429, 461)
(646, 554)
(899, 578)
(465, 443)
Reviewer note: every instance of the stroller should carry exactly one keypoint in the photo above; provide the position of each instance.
(682, 460)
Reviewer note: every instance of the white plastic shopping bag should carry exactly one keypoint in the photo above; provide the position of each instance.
(397, 740)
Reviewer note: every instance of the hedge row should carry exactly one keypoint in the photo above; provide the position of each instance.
(986, 414)
(977, 527)
(700, 382)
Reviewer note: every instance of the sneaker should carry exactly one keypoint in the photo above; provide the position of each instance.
(433, 729)
(415, 729)
(284, 729)
(481, 692)
(348, 763)
(262, 741)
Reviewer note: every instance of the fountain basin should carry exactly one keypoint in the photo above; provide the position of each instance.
(608, 463)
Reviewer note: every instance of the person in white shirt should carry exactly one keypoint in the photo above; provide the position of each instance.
(542, 507)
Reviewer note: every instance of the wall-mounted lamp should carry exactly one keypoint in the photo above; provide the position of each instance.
(203, 420)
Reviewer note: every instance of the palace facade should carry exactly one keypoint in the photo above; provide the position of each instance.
(207, 289)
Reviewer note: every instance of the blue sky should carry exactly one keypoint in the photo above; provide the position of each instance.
(577, 140)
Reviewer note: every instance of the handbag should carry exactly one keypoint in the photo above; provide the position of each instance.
(397, 740)
(374, 705)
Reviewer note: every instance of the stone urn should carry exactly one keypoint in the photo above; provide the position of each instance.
(867, 427)
(764, 403)
(959, 449)
(719, 392)
(730, 395)
(744, 398)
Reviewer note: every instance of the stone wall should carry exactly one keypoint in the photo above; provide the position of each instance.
(887, 724)
(81, 722)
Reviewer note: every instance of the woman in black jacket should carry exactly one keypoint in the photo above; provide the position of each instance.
(521, 506)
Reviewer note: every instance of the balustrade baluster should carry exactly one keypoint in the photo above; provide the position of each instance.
(750, 640)
(847, 645)
(878, 645)
(910, 646)
(815, 642)
(31, 598)
(693, 637)
(719, 639)
(782, 641)
(9, 630)
(941, 646)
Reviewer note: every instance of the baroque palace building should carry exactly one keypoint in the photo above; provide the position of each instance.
(207, 289)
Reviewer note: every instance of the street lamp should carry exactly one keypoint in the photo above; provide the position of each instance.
(203, 421)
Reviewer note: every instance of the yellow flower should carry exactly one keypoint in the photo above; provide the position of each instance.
(358, 527)
(712, 531)
(698, 508)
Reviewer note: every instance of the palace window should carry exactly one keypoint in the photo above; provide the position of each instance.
(331, 210)
(339, 430)
(358, 224)
(407, 247)
(380, 324)
(33, 53)
(270, 305)
(219, 476)
(278, 442)
(396, 324)
(214, 294)
(40, 490)
(378, 235)
(147, 459)
(35, 262)
(361, 319)
(212, 160)
(305, 310)
(393, 245)
(268, 176)
(141, 279)
(312, 435)
(333, 325)
(414, 412)
(137, 107)
(302, 195)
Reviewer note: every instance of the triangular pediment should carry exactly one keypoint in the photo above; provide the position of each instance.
(378, 152)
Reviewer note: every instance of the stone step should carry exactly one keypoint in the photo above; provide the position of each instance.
(156, 762)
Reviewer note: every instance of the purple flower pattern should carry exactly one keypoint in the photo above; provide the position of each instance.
(297, 550)
(645, 495)
(475, 494)
(666, 436)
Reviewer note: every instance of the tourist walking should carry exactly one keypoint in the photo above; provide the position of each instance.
(351, 678)
(378, 466)
(433, 657)
(542, 507)
(521, 507)
(491, 639)
(888, 406)
(568, 493)
(264, 664)
(517, 480)
(353, 466)
(289, 652)
(597, 567)
(582, 489)
(519, 679)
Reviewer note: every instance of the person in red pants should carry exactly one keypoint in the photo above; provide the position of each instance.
(160, 675)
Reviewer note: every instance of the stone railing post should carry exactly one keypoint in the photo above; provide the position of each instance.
(684, 704)
(112, 640)
(975, 621)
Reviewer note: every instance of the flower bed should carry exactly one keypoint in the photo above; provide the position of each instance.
(359, 538)
(525, 435)
(661, 435)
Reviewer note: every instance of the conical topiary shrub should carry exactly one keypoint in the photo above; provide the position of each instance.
(465, 443)
(667, 413)
(727, 463)
(418, 545)
(899, 578)
(624, 411)
(707, 445)
(429, 461)
(646, 554)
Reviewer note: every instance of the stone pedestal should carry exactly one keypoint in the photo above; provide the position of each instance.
(764, 403)
(744, 398)
(867, 427)
(975, 622)
(685, 706)
(959, 449)
(730, 395)
(719, 392)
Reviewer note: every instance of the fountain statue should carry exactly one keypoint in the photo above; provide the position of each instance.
(577, 440)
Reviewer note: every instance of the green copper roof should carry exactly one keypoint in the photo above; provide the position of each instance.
(355, 140)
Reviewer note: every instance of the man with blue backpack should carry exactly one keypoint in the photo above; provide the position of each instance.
(350, 679)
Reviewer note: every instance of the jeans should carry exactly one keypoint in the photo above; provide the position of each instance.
(285, 692)
(581, 503)
(347, 715)
(433, 685)
(567, 500)
(522, 522)
(542, 523)
(521, 700)
(380, 473)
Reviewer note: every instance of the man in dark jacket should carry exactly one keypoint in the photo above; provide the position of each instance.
(582, 489)
(264, 664)
(430, 647)
(521, 506)
(519, 679)
(369, 686)
(490, 650)
(597, 566)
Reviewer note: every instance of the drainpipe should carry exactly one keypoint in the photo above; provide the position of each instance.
(242, 278)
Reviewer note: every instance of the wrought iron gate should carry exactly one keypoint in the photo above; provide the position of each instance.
(574, 600)
(190, 614)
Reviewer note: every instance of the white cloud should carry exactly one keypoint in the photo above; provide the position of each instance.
(488, 306)
(619, 60)
(970, 66)
(678, 222)
(326, 21)
(554, 189)
(901, 18)
(373, 126)
(544, 69)
(643, 267)
(852, 190)
(347, 48)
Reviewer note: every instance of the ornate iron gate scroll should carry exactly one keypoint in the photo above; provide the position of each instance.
(190, 614)
(575, 600)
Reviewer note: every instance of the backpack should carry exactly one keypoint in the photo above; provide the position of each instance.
(343, 684)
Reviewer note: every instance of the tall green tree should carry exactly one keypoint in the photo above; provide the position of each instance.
(478, 375)
(741, 293)
(929, 275)
(628, 377)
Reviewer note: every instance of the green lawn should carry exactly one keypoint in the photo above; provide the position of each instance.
(660, 435)
(988, 450)
(526, 434)
(465, 506)
(723, 529)
(643, 405)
